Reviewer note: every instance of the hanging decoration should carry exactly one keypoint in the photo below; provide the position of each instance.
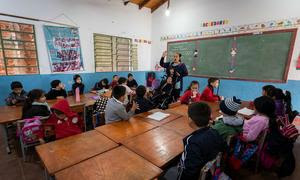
(247, 28)
(298, 63)
(214, 23)
(142, 41)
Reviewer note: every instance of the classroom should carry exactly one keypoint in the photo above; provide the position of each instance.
(149, 89)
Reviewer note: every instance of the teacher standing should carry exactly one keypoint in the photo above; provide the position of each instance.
(180, 71)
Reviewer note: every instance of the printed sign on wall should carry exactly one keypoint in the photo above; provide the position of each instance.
(64, 48)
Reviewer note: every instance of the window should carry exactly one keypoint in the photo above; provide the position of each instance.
(114, 53)
(18, 54)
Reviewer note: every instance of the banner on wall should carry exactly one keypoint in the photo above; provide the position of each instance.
(64, 48)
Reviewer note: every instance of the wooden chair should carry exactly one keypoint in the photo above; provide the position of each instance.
(80, 110)
(210, 167)
(100, 117)
(24, 145)
(261, 142)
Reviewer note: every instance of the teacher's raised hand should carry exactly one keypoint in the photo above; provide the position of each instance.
(164, 54)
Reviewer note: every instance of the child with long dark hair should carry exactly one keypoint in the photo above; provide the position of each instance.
(191, 94)
(77, 84)
(208, 92)
(265, 118)
(35, 105)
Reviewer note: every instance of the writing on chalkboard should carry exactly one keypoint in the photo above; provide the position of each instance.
(264, 56)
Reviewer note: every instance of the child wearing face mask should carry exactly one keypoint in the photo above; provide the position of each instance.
(77, 84)
(191, 94)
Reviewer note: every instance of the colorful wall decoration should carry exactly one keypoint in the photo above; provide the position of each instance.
(264, 26)
(142, 41)
(64, 48)
(214, 23)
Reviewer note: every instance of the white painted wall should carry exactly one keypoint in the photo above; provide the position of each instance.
(186, 16)
(91, 16)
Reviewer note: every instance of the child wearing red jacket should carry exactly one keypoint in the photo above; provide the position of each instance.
(191, 94)
(65, 121)
(208, 92)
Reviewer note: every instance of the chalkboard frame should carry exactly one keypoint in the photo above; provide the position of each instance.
(287, 65)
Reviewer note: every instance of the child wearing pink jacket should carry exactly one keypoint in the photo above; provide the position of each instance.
(265, 116)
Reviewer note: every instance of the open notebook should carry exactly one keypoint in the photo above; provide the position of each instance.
(245, 111)
(158, 116)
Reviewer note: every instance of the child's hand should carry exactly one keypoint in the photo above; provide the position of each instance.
(59, 122)
(222, 98)
(164, 54)
(194, 94)
(177, 74)
(14, 101)
(135, 106)
(75, 120)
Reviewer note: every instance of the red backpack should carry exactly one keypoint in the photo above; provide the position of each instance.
(287, 129)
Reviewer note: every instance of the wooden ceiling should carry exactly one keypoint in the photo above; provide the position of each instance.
(152, 4)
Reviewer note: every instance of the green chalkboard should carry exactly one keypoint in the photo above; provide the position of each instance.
(263, 56)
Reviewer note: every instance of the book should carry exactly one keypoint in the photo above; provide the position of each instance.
(158, 116)
(245, 111)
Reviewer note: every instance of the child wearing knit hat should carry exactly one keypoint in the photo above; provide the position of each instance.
(230, 123)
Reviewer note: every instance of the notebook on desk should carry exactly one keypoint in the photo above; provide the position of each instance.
(158, 116)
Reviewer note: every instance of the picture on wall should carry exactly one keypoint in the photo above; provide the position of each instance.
(64, 48)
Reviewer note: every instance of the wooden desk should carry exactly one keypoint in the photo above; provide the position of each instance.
(122, 130)
(10, 114)
(69, 151)
(171, 117)
(84, 99)
(119, 163)
(159, 145)
(182, 125)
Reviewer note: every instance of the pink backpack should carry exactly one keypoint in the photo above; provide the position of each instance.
(32, 130)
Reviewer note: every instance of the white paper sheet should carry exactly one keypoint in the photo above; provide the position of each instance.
(158, 116)
(246, 111)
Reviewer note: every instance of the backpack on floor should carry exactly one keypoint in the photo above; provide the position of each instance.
(32, 130)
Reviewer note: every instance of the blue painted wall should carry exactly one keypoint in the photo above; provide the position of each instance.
(245, 90)
(43, 81)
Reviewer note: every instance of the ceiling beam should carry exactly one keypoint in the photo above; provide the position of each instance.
(158, 5)
(144, 2)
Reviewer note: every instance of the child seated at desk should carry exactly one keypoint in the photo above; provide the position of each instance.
(17, 96)
(102, 84)
(57, 90)
(77, 84)
(115, 109)
(143, 100)
(191, 94)
(114, 81)
(131, 82)
(201, 146)
(231, 123)
(64, 120)
(265, 115)
(35, 105)
(208, 92)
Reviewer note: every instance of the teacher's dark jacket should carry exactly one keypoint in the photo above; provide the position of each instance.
(180, 68)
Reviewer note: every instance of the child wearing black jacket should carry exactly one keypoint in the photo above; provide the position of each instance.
(201, 146)
(35, 105)
(77, 84)
(142, 100)
(57, 90)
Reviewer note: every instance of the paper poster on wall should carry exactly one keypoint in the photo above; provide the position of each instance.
(64, 48)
